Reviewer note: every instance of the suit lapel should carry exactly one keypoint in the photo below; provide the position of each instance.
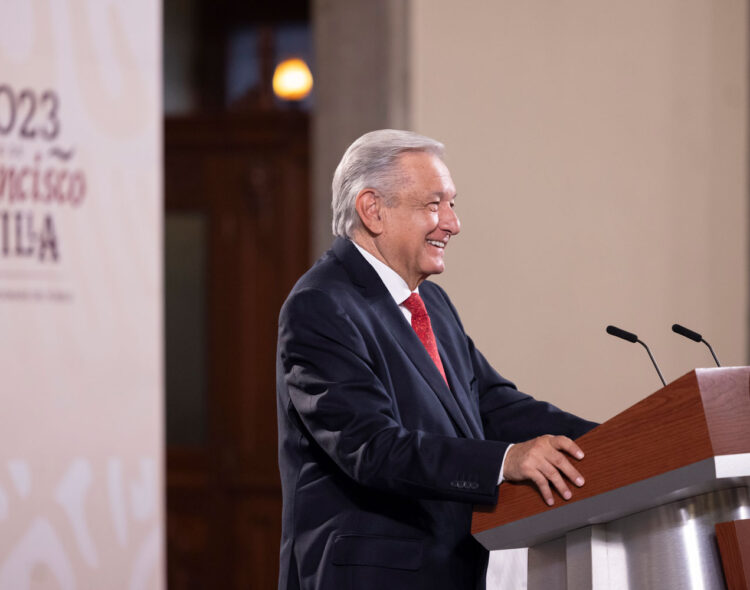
(415, 350)
(447, 352)
(386, 308)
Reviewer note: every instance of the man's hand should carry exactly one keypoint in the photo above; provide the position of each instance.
(543, 460)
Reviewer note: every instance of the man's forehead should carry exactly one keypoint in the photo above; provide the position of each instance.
(427, 171)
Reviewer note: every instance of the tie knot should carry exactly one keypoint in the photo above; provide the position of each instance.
(415, 305)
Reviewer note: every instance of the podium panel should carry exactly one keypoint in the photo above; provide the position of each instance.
(659, 477)
(668, 547)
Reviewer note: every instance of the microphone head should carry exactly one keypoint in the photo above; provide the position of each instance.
(683, 331)
(615, 331)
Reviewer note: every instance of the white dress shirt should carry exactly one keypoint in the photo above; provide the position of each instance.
(393, 281)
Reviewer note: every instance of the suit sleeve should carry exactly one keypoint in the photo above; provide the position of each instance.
(345, 409)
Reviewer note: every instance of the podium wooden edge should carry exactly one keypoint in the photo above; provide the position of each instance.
(733, 539)
(699, 478)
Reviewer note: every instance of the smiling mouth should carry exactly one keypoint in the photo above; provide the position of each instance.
(436, 243)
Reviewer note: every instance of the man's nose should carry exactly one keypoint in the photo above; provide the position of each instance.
(449, 221)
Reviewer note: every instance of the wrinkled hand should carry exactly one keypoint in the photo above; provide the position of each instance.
(544, 460)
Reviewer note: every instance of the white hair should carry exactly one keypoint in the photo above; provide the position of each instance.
(371, 162)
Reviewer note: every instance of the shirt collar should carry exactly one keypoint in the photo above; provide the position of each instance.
(393, 281)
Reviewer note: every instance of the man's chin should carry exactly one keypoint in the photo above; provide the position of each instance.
(436, 269)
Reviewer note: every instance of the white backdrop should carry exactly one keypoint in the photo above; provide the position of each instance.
(80, 295)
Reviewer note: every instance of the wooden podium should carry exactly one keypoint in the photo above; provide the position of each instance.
(659, 477)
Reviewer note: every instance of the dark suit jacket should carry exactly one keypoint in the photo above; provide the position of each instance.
(380, 461)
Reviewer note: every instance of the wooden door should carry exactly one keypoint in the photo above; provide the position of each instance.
(236, 234)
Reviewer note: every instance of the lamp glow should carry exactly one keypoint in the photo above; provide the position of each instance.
(292, 80)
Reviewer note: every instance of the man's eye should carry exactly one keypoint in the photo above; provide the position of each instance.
(433, 206)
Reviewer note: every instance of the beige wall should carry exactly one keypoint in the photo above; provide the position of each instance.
(600, 154)
(361, 84)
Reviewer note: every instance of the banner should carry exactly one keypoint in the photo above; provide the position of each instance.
(81, 436)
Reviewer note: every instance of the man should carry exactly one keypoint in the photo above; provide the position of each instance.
(391, 423)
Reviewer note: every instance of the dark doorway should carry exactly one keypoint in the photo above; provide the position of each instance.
(236, 238)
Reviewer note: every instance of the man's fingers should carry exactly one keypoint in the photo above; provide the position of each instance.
(562, 464)
(545, 461)
(563, 443)
(544, 489)
(572, 473)
(554, 477)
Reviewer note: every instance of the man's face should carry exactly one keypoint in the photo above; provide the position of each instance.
(416, 229)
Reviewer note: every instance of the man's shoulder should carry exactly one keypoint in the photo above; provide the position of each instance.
(430, 291)
(437, 302)
(327, 280)
(326, 274)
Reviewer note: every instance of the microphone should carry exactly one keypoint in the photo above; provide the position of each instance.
(630, 337)
(695, 337)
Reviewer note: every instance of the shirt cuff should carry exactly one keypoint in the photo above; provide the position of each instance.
(502, 465)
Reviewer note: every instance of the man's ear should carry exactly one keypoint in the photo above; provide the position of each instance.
(369, 207)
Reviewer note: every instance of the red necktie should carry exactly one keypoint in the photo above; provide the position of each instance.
(420, 321)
